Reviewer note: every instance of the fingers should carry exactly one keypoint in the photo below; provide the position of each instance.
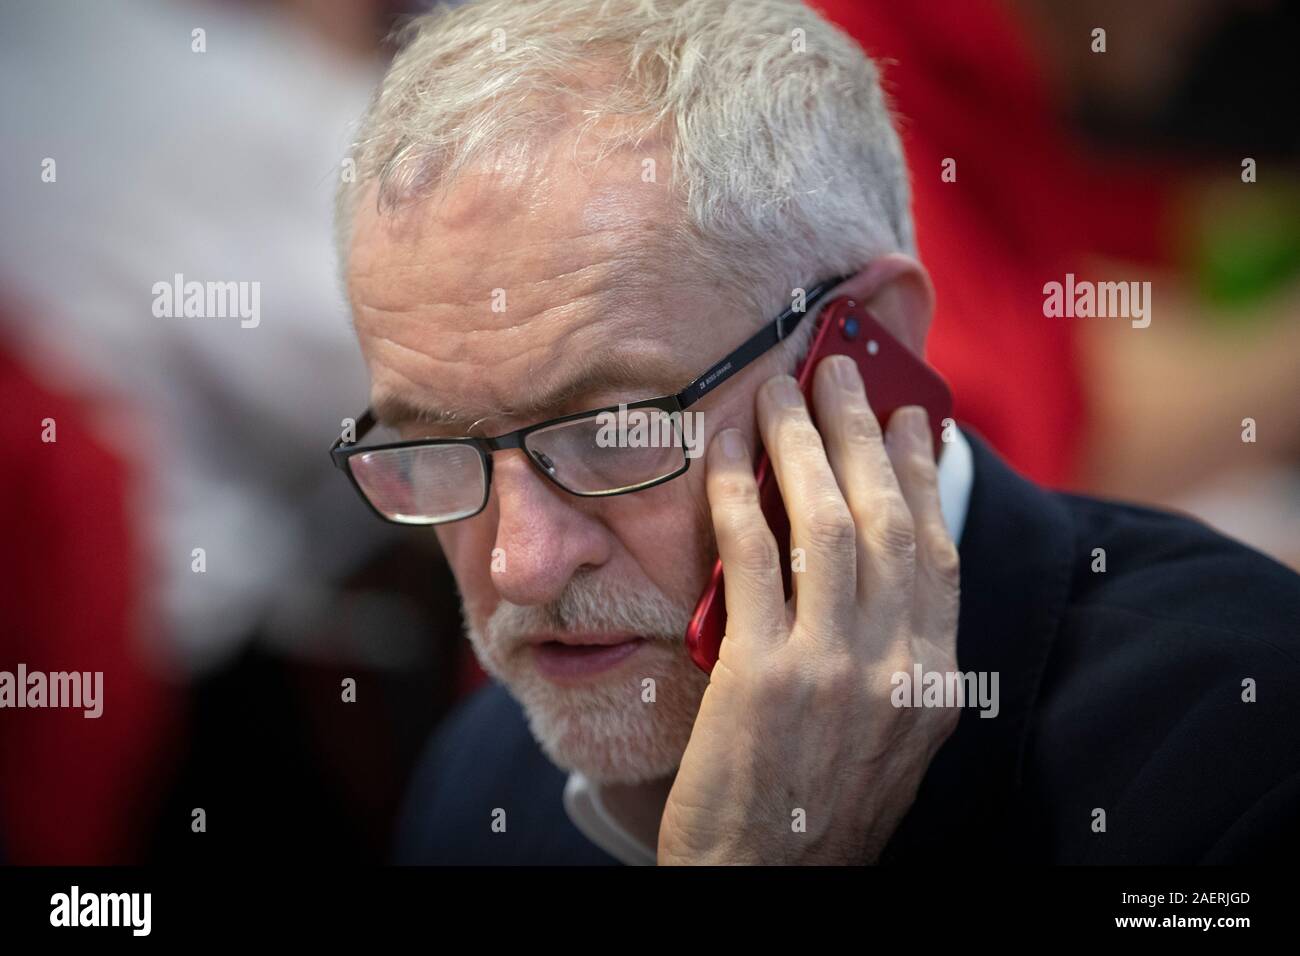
(910, 446)
(886, 532)
(863, 506)
(820, 521)
(754, 591)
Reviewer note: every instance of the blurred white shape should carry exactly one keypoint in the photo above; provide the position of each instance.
(221, 166)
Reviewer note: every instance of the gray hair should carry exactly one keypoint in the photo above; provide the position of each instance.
(781, 141)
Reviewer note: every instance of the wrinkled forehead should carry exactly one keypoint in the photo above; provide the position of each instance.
(491, 241)
(513, 293)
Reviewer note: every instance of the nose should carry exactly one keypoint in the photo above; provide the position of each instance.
(545, 534)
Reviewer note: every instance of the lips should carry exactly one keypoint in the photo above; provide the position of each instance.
(586, 639)
(572, 658)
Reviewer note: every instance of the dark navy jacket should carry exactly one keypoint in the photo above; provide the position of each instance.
(1119, 690)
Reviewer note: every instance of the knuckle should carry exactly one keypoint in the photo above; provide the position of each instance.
(893, 531)
(831, 527)
(754, 549)
(860, 427)
(898, 662)
(736, 489)
(889, 721)
(920, 463)
(945, 662)
(945, 561)
(946, 719)
(796, 434)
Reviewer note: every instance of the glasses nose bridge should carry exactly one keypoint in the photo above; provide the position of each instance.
(503, 442)
(511, 442)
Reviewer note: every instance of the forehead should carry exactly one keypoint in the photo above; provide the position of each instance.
(490, 299)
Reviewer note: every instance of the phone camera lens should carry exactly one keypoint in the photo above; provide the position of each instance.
(850, 328)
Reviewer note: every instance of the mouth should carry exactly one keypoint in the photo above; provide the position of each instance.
(571, 658)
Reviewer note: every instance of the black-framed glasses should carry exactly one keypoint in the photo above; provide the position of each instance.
(607, 451)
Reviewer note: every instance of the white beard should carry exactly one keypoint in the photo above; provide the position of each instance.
(605, 729)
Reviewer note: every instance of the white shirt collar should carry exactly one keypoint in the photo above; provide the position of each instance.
(582, 798)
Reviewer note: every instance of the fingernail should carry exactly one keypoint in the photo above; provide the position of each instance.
(918, 422)
(901, 429)
(785, 391)
(733, 446)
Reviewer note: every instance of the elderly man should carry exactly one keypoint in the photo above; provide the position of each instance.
(560, 207)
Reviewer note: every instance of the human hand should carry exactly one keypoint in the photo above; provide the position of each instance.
(797, 715)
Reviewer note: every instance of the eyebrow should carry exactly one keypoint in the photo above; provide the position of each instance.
(607, 374)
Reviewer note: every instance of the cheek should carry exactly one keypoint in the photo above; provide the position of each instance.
(670, 537)
(467, 546)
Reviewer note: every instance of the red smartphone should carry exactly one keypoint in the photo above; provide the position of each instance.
(894, 377)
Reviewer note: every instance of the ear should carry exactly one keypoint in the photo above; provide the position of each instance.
(896, 289)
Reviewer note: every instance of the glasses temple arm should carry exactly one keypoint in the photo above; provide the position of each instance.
(758, 343)
(363, 426)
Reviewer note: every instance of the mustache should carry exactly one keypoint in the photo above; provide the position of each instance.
(592, 604)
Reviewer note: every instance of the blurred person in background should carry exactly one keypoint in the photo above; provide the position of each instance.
(999, 199)
(1112, 162)
(1185, 118)
(181, 517)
